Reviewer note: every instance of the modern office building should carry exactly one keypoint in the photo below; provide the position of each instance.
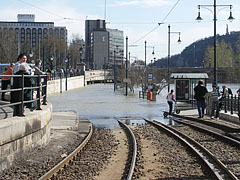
(116, 43)
(28, 32)
(95, 30)
(100, 49)
(101, 43)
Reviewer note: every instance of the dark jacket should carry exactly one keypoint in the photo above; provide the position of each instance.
(16, 96)
(200, 92)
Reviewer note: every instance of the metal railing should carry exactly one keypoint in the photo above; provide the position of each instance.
(231, 103)
(40, 87)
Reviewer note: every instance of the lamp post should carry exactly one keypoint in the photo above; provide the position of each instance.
(126, 66)
(168, 60)
(66, 71)
(215, 27)
(145, 53)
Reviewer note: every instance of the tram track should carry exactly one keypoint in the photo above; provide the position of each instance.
(217, 167)
(160, 156)
(79, 164)
(68, 159)
(224, 148)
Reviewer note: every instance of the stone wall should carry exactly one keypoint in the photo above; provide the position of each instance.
(19, 135)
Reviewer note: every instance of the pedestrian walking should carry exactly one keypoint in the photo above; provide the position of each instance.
(6, 80)
(170, 99)
(214, 99)
(199, 94)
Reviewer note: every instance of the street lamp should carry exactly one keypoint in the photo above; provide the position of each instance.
(230, 18)
(31, 53)
(80, 51)
(179, 41)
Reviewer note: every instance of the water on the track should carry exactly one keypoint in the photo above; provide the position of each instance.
(101, 105)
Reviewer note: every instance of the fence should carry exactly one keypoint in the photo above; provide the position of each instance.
(231, 103)
(40, 86)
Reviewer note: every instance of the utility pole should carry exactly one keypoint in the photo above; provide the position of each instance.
(126, 66)
(115, 79)
(145, 53)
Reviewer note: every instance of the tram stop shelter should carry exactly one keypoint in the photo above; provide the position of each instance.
(184, 89)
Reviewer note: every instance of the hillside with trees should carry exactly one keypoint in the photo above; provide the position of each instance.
(200, 53)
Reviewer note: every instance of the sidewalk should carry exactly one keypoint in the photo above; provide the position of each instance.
(232, 118)
(227, 122)
(69, 121)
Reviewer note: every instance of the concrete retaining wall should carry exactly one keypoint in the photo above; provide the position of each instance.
(58, 85)
(19, 135)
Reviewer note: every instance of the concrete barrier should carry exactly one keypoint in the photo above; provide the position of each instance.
(58, 85)
(19, 135)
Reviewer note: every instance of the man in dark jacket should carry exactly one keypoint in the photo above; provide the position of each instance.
(200, 90)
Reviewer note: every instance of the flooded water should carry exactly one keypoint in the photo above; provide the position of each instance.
(101, 105)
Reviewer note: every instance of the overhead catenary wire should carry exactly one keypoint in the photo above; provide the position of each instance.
(41, 9)
(162, 22)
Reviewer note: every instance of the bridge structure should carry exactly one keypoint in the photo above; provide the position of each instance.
(98, 76)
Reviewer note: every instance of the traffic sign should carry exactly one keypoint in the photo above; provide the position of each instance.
(150, 76)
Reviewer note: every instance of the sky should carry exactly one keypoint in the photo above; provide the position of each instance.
(139, 19)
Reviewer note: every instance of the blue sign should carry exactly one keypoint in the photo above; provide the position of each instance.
(150, 76)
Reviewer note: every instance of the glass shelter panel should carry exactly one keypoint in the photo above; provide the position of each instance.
(182, 89)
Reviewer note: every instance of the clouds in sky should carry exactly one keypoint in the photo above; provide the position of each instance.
(143, 3)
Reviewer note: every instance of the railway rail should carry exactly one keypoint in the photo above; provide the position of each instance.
(152, 150)
(217, 167)
(68, 159)
(225, 148)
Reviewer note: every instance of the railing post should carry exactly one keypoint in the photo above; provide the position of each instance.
(231, 104)
(45, 91)
(235, 103)
(225, 103)
(21, 106)
(239, 106)
(60, 82)
(38, 93)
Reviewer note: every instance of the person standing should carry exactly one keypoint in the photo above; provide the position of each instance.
(200, 90)
(214, 102)
(16, 96)
(6, 80)
(170, 99)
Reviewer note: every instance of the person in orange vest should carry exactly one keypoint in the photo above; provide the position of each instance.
(6, 80)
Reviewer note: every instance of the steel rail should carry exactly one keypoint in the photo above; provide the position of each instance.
(234, 141)
(65, 161)
(189, 141)
(134, 156)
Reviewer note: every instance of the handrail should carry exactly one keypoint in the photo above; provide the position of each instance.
(40, 86)
(231, 103)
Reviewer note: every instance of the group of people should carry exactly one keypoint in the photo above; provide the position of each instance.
(200, 91)
(216, 98)
(21, 68)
